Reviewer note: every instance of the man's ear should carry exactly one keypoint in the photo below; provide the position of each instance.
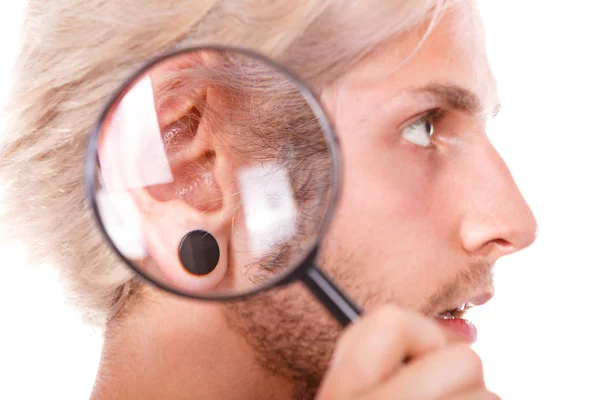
(201, 195)
(163, 152)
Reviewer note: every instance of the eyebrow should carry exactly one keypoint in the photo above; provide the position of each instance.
(454, 96)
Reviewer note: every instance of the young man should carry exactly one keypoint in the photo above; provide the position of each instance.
(428, 205)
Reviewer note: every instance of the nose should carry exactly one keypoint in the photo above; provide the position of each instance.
(497, 220)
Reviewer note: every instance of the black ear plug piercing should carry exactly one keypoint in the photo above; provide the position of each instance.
(199, 252)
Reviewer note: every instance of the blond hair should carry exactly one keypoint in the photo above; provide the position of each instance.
(74, 55)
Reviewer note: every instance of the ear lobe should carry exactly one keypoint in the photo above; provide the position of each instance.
(164, 225)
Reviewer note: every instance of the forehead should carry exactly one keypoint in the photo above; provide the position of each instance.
(452, 53)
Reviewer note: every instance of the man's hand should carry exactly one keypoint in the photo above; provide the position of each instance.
(368, 362)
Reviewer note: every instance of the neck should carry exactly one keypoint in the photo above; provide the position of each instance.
(181, 349)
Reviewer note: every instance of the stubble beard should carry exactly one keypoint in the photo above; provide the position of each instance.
(291, 333)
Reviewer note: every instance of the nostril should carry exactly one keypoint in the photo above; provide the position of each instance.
(504, 246)
(503, 243)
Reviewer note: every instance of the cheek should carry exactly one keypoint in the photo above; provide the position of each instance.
(390, 221)
(389, 187)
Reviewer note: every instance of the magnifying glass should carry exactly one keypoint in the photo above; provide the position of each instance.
(213, 173)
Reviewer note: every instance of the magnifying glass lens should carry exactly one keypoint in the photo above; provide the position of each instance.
(213, 173)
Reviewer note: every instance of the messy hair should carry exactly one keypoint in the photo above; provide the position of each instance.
(76, 53)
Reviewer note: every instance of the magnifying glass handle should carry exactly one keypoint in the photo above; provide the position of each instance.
(331, 296)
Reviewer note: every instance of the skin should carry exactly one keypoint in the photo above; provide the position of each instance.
(431, 223)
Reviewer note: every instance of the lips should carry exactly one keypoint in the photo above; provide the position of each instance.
(454, 323)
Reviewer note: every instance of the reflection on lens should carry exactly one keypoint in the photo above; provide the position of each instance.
(220, 141)
(269, 206)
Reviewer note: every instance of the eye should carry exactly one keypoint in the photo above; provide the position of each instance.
(420, 132)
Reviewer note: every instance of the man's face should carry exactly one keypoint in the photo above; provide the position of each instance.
(422, 218)
(426, 209)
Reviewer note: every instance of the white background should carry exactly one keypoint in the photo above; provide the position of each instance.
(538, 336)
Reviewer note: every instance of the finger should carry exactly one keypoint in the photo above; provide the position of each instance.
(373, 348)
(477, 395)
(451, 370)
